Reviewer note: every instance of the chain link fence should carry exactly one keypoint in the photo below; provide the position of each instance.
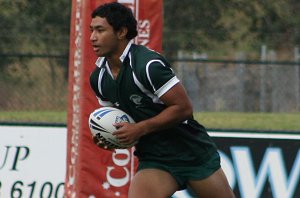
(240, 85)
(31, 82)
(40, 82)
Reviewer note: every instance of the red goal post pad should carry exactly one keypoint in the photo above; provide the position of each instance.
(93, 172)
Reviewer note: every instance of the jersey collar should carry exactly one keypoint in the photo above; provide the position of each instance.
(125, 52)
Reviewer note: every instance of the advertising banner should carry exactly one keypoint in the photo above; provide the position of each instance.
(259, 164)
(32, 161)
(93, 172)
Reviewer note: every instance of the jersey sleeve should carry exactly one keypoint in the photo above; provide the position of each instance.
(160, 77)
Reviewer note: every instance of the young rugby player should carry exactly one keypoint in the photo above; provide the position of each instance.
(174, 150)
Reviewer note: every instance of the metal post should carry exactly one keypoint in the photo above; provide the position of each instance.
(241, 82)
(262, 97)
(275, 99)
(297, 90)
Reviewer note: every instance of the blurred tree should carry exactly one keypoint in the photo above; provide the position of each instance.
(192, 25)
(215, 26)
(34, 27)
(221, 27)
(50, 20)
(281, 23)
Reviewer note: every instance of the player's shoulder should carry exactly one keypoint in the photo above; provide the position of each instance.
(142, 56)
(140, 53)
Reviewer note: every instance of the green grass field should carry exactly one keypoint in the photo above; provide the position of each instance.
(34, 116)
(212, 120)
(256, 121)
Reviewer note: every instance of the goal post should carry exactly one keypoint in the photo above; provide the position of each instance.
(93, 172)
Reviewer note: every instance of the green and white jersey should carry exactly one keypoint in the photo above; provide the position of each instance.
(144, 77)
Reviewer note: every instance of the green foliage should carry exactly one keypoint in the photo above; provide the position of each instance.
(221, 27)
(34, 26)
(217, 26)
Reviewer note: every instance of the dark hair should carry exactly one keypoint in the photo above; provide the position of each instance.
(118, 16)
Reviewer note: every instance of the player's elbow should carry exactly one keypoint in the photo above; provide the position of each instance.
(187, 111)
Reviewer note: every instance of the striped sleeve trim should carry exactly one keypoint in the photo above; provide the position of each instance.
(166, 87)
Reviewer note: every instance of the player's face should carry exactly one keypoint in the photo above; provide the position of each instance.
(103, 38)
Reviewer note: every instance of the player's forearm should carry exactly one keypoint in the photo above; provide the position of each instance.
(168, 118)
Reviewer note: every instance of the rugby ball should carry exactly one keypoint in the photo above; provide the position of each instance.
(101, 125)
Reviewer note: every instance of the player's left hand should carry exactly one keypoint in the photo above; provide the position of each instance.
(101, 144)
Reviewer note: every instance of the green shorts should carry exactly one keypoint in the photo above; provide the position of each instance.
(183, 174)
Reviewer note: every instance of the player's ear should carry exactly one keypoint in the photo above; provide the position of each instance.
(122, 33)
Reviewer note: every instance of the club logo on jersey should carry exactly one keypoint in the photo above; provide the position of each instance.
(136, 99)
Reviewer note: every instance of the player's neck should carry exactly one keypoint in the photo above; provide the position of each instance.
(115, 65)
(114, 61)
